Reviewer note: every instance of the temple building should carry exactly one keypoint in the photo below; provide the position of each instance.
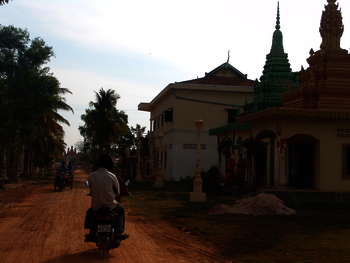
(296, 133)
(215, 98)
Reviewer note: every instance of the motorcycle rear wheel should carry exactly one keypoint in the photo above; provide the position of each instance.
(104, 252)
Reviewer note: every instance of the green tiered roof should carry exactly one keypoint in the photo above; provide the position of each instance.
(277, 77)
(277, 74)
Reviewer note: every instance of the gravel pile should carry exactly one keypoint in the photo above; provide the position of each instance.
(262, 204)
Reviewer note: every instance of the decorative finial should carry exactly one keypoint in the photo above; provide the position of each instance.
(228, 56)
(278, 23)
(332, 27)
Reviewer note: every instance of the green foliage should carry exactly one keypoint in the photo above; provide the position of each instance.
(30, 98)
(139, 137)
(2, 2)
(211, 180)
(138, 132)
(105, 127)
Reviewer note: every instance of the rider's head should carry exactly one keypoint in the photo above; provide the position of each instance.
(105, 161)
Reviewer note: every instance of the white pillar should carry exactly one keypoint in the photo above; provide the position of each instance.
(159, 183)
(197, 195)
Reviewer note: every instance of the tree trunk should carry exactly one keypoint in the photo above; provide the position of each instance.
(3, 177)
(26, 171)
(30, 164)
(11, 166)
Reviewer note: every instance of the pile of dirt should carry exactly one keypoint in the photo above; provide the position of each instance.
(262, 204)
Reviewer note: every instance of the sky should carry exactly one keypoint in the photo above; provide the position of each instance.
(137, 47)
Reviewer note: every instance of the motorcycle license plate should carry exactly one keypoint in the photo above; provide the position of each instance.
(104, 228)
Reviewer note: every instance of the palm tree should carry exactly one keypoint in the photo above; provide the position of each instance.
(45, 141)
(138, 133)
(104, 125)
(2, 2)
(30, 98)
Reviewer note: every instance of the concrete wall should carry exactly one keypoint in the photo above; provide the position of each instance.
(183, 159)
(329, 158)
(212, 115)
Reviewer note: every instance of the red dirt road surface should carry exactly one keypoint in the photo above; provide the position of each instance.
(38, 225)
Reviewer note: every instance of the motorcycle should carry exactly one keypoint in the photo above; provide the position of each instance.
(104, 227)
(68, 179)
(106, 231)
(59, 183)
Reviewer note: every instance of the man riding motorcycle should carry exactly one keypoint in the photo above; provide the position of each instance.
(59, 178)
(105, 191)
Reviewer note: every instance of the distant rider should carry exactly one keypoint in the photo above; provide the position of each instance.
(61, 170)
(105, 191)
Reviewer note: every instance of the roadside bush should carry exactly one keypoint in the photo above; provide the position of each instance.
(212, 180)
(183, 185)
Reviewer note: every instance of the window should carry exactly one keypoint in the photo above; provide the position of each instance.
(194, 146)
(156, 160)
(165, 159)
(231, 115)
(161, 160)
(168, 115)
(158, 122)
(346, 161)
(343, 132)
(190, 146)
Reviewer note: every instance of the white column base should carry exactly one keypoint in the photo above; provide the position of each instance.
(159, 183)
(198, 197)
(138, 178)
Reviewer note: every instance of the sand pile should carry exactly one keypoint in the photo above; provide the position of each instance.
(262, 204)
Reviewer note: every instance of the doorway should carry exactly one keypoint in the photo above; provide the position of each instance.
(302, 161)
(261, 164)
(265, 158)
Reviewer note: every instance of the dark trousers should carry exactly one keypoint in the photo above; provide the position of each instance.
(120, 219)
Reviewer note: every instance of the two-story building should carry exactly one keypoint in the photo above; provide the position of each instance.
(215, 98)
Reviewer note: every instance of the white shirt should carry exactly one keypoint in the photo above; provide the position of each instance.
(101, 184)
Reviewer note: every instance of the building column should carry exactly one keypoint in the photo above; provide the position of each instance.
(276, 165)
(159, 183)
(198, 195)
(283, 166)
(268, 161)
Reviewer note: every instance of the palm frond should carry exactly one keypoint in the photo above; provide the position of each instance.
(2, 2)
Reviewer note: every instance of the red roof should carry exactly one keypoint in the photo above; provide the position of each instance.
(225, 74)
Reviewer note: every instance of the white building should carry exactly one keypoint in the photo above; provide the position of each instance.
(216, 98)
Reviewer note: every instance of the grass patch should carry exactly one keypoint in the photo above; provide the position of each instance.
(320, 234)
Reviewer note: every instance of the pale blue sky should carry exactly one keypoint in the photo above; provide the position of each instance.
(137, 47)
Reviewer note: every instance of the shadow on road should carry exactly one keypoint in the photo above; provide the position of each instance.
(89, 256)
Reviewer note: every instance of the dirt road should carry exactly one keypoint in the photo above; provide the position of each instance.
(39, 225)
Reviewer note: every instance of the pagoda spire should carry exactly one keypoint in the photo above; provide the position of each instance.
(332, 27)
(278, 22)
(277, 74)
(277, 40)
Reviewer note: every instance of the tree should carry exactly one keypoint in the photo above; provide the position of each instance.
(2, 2)
(105, 127)
(79, 145)
(30, 98)
(138, 133)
